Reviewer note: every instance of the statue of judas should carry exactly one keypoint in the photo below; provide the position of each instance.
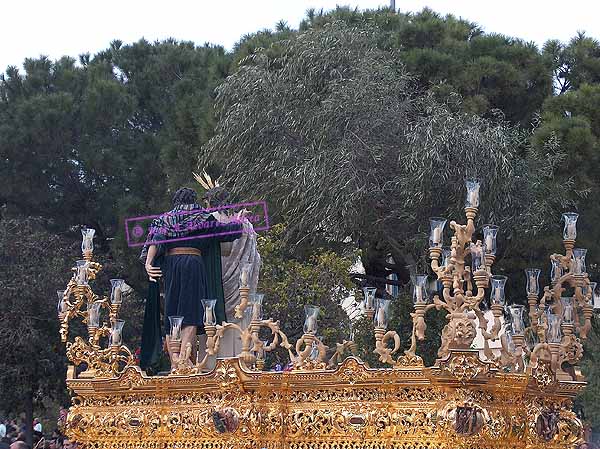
(189, 263)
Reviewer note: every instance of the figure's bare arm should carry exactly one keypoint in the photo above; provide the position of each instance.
(153, 272)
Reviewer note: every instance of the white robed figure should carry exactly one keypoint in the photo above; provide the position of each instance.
(233, 254)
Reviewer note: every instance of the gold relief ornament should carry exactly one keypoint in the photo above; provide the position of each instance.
(466, 418)
(464, 366)
(352, 370)
(411, 409)
(542, 374)
(551, 422)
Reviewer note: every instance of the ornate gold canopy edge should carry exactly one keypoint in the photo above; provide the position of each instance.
(459, 369)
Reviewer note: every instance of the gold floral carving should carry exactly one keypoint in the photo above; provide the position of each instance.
(542, 374)
(352, 371)
(349, 407)
(464, 366)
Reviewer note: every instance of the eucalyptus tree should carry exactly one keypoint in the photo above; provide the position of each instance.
(340, 140)
(451, 54)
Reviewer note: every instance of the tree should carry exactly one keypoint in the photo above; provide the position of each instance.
(490, 71)
(109, 138)
(340, 140)
(321, 278)
(32, 365)
(574, 120)
(573, 64)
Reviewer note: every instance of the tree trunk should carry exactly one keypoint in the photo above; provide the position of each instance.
(29, 417)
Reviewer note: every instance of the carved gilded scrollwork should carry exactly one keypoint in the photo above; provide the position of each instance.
(351, 406)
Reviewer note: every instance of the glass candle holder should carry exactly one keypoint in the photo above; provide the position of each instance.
(532, 276)
(446, 256)
(369, 294)
(246, 318)
(116, 292)
(81, 275)
(472, 192)
(516, 315)
(116, 331)
(94, 314)
(497, 289)
(477, 260)
(245, 271)
(596, 297)
(490, 232)
(570, 228)
(310, 322)
(63, 306)
(436, 234)
(554, 332)
(382, 313)
(567, 306)
(87, 242)
(256, 300)
(176, 323)
(314, 351)
(578, 261)
(209, 312)
(556, 271)
(420, 294)
(510, 344)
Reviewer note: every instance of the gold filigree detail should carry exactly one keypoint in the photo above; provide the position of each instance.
(352, 371)
(542, 374)
(463, 367)
(409, 361)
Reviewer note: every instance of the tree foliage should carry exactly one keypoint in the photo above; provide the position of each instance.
(32, 366)
(491, 71)
(575, 63)
(320, 279)
(337, 135)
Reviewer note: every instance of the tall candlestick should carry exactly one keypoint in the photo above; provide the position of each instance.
(256, 311)
(532, 282)
(571, 230)
(472, 193)
(473, 197)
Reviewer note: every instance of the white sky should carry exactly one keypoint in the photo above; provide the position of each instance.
(69, 27)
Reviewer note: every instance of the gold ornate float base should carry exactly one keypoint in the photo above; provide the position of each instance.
(461, 402)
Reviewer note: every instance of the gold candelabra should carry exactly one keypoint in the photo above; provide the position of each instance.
(103, 353)
(557, 323)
